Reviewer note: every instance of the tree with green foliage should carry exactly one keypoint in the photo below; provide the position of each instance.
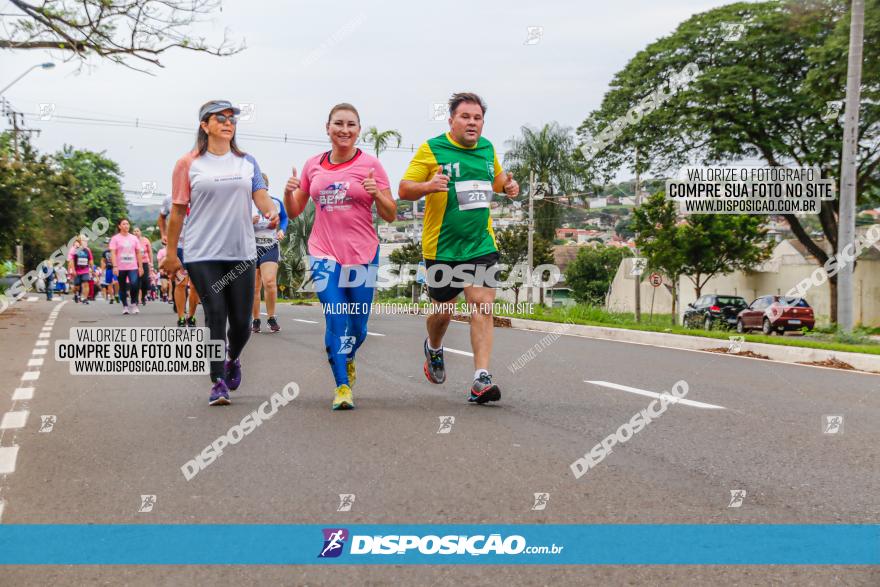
(40, 205)
(513, 250)
(99, 182)
(764, 95)
(659, 241)
(137, 31)
(700, 247)
(295, 248)
(548, 152)
(717, 244)
(409, 254)
(592, 271)
(623, 228)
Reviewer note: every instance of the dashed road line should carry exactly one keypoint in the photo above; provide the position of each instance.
(8, 454)
(457, 352)
(16, 419)
(655, 395)
(23, 394)
(12, 420)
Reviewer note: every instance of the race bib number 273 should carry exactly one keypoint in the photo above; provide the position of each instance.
(473, 194)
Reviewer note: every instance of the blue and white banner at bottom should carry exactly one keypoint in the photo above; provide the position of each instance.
(353, 544)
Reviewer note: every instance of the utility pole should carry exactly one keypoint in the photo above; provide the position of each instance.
(638, 278)
(16, 120)
(848, 163)
(414, 292)
(531, 249)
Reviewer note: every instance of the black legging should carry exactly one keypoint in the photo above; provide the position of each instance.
(128, 283)
(226, 289)
(144, 283)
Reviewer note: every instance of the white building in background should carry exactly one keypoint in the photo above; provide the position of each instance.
(789, 264)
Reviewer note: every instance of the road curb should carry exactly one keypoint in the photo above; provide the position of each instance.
(785, 354)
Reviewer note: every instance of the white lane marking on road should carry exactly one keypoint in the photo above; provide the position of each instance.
(14, 420)
(655, 395)
(7, 459)
(39, 351)
(33, 299)
(42, 343)
(457, 352)
(47, 329)
(30, 376)
(35, 363)
(44, 335)
(23, 394)
(306, 321)
(660, 346)
(374, 334)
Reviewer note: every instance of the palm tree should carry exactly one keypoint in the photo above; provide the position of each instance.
(294, 248)
(381, 139)
(548, 152)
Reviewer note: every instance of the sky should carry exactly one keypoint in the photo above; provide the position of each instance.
(392, 60)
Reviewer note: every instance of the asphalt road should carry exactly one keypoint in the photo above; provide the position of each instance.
(116, 438)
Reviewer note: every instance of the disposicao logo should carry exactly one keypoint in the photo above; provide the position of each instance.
(334, 540)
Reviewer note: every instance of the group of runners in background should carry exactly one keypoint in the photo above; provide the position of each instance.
(87, 277)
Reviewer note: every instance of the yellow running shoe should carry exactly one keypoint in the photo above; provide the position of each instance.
(352, 372)
(343, 399)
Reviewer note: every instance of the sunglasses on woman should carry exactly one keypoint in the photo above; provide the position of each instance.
(221, 118)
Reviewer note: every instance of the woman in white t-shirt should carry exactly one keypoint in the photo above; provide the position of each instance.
(219, 182)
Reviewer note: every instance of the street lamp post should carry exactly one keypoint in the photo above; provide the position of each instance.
(47, 65)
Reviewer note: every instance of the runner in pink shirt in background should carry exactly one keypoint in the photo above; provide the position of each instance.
(146, 265)
(126, 250)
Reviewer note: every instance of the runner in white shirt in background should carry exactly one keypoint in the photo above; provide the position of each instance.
(268, 255)
(179, 285)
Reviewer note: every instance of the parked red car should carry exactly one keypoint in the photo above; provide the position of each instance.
(776, 314)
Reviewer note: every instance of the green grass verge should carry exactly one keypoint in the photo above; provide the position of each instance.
(596, 316)
(593, 316)
(297, 301)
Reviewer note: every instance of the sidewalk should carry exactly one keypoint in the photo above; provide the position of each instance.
(785, 354)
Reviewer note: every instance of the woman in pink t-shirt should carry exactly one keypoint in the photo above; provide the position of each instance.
(126, 250)
(344, 183)
(146, 264)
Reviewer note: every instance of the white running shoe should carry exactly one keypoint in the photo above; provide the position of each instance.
(135, 309)
(125, 309)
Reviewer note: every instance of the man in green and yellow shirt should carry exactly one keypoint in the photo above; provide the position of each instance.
(458, 173)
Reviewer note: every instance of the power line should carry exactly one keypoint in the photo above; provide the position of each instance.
(280, 137)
